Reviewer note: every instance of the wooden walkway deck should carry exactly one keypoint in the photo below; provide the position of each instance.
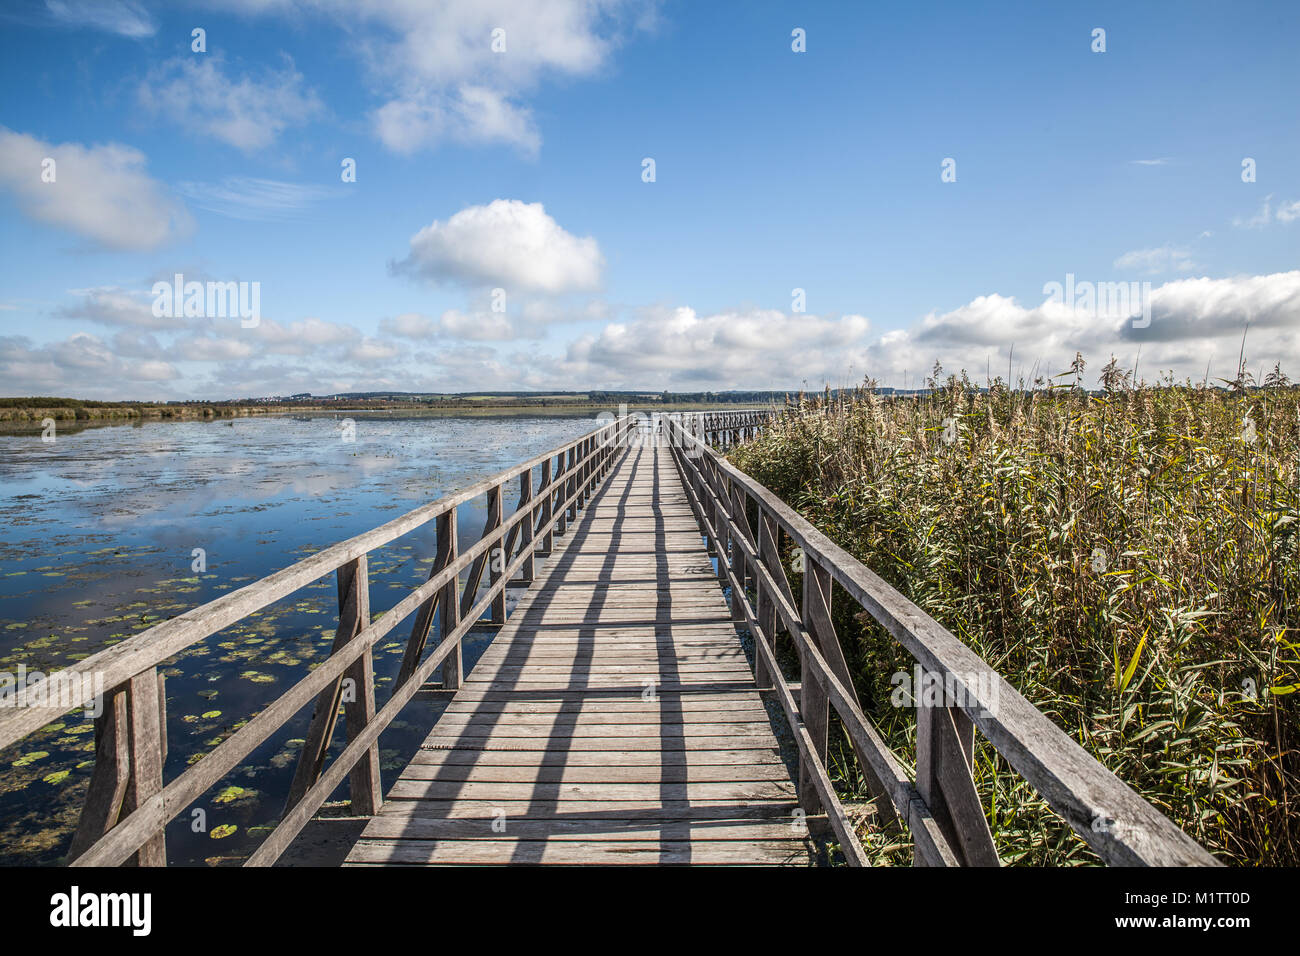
(614, 719)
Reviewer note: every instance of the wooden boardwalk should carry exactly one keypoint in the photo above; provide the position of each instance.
(614, 719)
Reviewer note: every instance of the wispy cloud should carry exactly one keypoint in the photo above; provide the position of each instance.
(1286, 212)
(123, 17)
(256, 200)
(1261, 217)
(1149, 162)
(247, 113)
(474, 326)
(1166, 258)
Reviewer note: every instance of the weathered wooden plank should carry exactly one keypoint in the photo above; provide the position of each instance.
(578, 758)
(487, 716)
(607, 744)
(578, 702)
(595, 693)
(497, 730)
(407, 788)
(596, 653)
(660, 632)
(502, 827)
(109, 778)
(640, 811)
(145, 782)
(546, 776)
(623, 685)
(578, 852)
(576, 602)
(585, 671)
(945, 741)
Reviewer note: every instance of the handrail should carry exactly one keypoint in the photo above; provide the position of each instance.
(127, 806)
(959, 691)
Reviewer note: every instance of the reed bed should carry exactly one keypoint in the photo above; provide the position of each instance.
(1128, 559)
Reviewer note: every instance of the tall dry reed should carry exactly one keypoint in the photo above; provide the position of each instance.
(1127, 559)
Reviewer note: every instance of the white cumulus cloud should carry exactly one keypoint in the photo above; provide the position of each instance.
(99, 192)
(1194, 321)
(756, 348)
(508, 244)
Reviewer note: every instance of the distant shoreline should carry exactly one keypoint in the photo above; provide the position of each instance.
(17, 418)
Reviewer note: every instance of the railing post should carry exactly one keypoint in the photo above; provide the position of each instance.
(571, 484)
(449, 619)
(130, 750)
(359, 694)
(145, 783)
(581, 480)
(354, 614)
(719, 521)
(701, 481)
(112, 771)
(945, 751)
(706, 503)
(736, 506)
(561, 483)
(766, 610)
(528, 570)
(579, 477)
(499, 559)
(588, 469)
(548, 500)
(814, 705)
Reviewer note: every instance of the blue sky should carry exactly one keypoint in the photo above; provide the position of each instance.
(775, 170)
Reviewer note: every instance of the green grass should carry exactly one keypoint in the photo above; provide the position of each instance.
(1129, 561)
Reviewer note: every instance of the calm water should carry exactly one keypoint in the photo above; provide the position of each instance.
(97, 536)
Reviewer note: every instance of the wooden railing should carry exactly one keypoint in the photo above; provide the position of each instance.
(743, 523)
(128, 805)
(724, 429)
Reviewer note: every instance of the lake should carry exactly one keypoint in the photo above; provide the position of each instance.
(100, 540)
